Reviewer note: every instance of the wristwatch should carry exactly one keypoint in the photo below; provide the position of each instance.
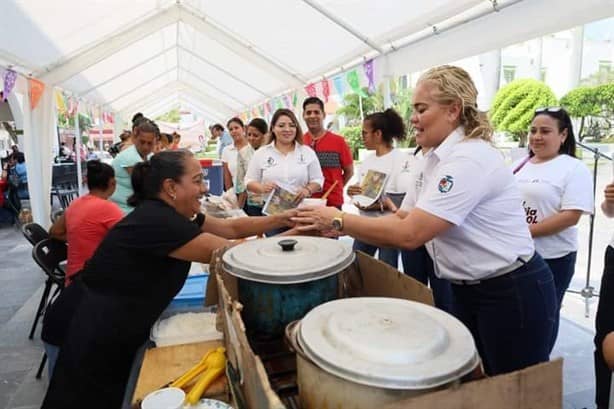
(338, 221)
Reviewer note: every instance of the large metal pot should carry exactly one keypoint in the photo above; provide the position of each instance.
(362, 353)
(280, 280)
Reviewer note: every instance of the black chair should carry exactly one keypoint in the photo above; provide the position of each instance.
(48, 254)
(34, 233)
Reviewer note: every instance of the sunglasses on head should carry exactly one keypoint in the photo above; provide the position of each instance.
(547, 109)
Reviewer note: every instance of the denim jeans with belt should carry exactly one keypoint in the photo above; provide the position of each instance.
(388, 255)
(511, 317)
(419, 265)
(562, 269)
(604, 324)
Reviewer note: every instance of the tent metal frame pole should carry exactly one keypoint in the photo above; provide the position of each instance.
(176, 86)
(222, 70)
(215, 87)
(344, 25)
(141, 84)
(435, 30)
(156, 95)
(233, 43)
(62, 70)
(127, 70)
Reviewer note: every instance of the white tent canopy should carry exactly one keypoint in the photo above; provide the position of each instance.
(222, 57)
(230, 55)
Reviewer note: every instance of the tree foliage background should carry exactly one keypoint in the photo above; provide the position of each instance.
(594, 107)
(514, 106)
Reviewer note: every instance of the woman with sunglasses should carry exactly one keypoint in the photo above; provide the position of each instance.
(556, 190)
(468, 214)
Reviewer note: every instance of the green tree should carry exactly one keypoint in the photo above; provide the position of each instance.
(351, 106)
(353, 136)
(172, 116)
(514, 106)
(583, 103)
(594, 106)
(402, 103)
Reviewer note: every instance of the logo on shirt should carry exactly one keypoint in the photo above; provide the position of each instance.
(445, 184)
(405, 167)
(530, 213)
(301, 159)
(270, 162)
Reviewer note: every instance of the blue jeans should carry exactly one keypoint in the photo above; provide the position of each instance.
(388, 255)
(419, 265)
(52, 352)
(511, 317)
(562, 269)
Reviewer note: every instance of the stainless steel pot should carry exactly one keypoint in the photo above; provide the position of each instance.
(371, 380)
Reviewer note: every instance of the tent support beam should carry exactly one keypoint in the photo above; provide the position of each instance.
(239, 47)
(127, 70)
(188, 91)
(231, 75)
(167, 89)
(210, 84)
(343, 25)
(63, 70)
(141, 84)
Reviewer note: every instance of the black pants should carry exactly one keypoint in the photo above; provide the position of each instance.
(604, 324)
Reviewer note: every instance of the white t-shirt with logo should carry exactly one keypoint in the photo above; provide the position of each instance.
(388, 163)
(467, 183)
(292, 171)
(562, 183)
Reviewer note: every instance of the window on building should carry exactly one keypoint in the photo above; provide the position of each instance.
(605, 65)
(509, 73)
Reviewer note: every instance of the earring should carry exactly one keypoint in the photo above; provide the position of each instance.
(173, 196)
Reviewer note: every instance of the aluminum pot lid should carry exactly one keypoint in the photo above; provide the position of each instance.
(388, 343)
(287, 260)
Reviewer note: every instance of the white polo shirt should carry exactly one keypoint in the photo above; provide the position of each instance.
(293, 170)
(562, 183)
(467, 183)
(409, 178)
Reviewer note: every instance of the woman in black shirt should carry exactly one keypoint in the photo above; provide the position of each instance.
(134, 274)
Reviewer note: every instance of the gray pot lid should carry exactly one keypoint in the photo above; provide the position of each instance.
(304, 259)
(388, 343)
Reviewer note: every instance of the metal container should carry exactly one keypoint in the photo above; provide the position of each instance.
(280, 280)
(362, 353)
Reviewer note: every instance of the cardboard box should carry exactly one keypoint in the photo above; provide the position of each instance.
(539, 386)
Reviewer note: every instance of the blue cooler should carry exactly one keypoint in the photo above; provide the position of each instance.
(192, 295)
(213, 172)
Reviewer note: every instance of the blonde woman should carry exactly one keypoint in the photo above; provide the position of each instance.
(468, 213)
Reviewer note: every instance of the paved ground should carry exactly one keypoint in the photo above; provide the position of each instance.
(21, 287)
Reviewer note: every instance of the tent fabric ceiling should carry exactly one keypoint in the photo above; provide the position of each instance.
(223, 57)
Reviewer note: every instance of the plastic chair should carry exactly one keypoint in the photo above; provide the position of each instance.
(48, 254)
(34, 233)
